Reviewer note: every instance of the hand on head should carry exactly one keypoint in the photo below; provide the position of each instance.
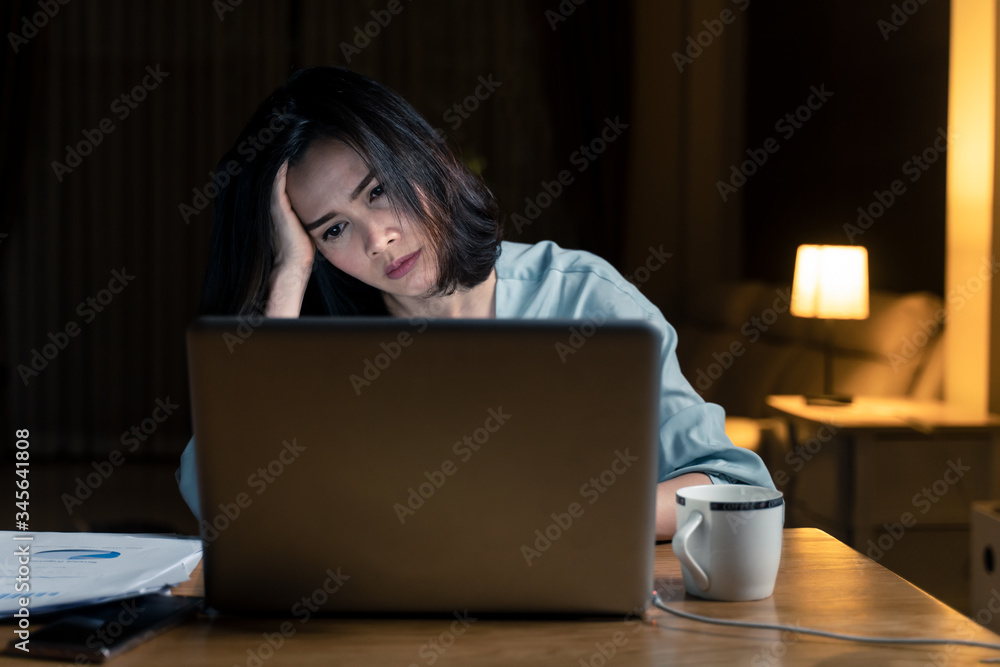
(293, 247)
(294, 252)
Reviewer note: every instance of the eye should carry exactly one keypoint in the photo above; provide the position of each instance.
(334, 231)
(376, 192)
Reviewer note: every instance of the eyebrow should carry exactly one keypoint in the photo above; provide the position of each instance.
(354, 195)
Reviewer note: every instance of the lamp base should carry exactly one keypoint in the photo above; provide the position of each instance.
(829, 400)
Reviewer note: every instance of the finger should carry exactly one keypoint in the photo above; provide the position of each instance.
(280, 179)
(281, 205)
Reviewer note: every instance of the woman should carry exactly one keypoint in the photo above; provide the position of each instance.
(338, 178)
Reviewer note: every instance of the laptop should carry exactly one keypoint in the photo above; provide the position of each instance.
(380, 465)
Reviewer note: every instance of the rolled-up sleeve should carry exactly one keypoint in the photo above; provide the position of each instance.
(692, 432)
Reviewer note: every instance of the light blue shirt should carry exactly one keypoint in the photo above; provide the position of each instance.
(544, 281)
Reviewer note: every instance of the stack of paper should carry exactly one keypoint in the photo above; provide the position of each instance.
(58, 570)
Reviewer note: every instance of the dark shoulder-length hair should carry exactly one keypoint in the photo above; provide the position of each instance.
(422, 178)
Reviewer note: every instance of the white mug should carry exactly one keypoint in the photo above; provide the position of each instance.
(729, 540)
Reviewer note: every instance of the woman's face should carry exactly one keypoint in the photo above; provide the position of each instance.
(346, 211)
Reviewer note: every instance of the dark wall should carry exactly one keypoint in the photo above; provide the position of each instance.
(81, 375)
(888, 75)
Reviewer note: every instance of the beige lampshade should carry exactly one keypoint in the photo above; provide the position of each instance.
(831, 282)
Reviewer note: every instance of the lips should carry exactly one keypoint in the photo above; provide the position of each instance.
(402, 266)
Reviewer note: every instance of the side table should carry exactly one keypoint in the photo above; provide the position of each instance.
(894, 478)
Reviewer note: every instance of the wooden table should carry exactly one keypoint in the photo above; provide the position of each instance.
(822, 583)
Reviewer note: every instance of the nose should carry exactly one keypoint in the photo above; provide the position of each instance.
(381, 233)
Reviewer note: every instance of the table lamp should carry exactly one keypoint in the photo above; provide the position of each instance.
(830, 283)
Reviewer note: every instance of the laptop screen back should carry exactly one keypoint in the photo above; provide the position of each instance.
(380, 465)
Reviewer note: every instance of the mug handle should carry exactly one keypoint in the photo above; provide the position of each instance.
(679, 544)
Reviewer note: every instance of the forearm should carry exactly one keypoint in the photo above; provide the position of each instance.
(287, 290)
(666, 502)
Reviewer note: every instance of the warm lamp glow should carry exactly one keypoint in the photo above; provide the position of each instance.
(831, 282)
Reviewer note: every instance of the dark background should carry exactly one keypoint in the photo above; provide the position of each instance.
(890, 97)
(560, 81)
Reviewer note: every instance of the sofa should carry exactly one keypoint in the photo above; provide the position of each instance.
(738, 343)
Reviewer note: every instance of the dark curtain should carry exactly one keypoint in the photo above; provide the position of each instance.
(587, 72)
(16, 92)
(119, 209)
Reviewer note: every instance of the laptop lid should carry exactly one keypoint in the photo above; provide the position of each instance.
(385, 465)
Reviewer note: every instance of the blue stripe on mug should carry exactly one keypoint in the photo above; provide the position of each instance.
(739, 507)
